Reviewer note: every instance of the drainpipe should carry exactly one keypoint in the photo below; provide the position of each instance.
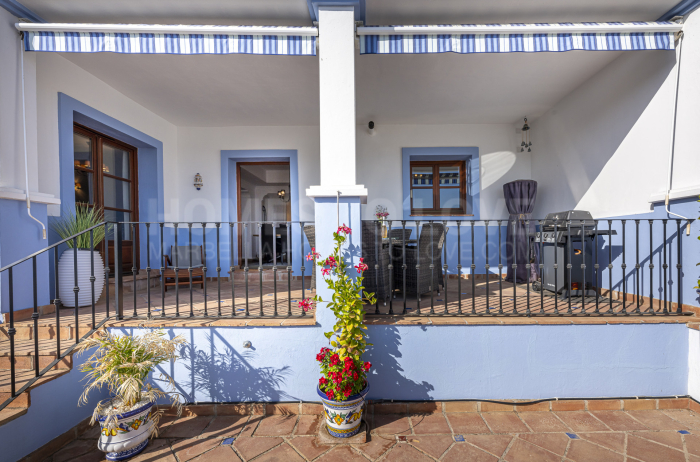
(24, 129)
(673, 134)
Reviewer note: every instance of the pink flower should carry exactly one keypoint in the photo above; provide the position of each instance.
(325, 271)
(313, 254)
(330, 261)
(361, 267)
(305, 304)
(344, 230)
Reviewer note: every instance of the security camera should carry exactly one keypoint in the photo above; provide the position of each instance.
(370, 125)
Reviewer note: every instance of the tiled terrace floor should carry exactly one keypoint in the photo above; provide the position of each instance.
(580, 436)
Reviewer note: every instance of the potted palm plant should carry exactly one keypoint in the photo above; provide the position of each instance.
(123, 364)
(70, 224)
(343, 385)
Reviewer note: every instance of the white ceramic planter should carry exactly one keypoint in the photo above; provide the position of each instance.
(66, 278)
(130, 436)
(343, 418)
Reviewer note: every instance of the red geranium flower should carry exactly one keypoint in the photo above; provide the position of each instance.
(344, 229)
(361, 266)
(367, 365)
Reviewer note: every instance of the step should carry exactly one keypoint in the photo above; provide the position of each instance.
(25, 354)
(21, 378)
(9, 414)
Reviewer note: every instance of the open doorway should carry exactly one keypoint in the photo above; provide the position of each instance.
(263, 196)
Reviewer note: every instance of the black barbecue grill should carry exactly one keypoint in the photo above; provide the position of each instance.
(567, 244)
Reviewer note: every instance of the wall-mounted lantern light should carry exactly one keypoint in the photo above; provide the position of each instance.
(282, 194)
(198, 183)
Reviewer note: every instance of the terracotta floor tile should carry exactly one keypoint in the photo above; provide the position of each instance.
(283, 452)
(92, 433)
(341, 454)
(672, 439)
(157, 450)
(251, 425)
(613, 440)
(462, 452)
(543, 422)
(190, 448)
(583, 451)
(306, 446)
(376, 446)
(684, 416)
(392, 424)
(656, 420)
(187, 427)
(429, 423)
(253, 447)
(73, 450)
(651, 452)
(225, 426)
(434, 445)
(276, 425)
(493, 444)
(618, 420)
(554, 442)
(522, 451)
(581, 421)
(308, 424)
(93, 456)
(405, 453)
(219, 454)
(468, 422)
(504, 422)
(692, 443)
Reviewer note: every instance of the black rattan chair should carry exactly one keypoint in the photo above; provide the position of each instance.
(376, 282)
(427, 252)
(399, 233)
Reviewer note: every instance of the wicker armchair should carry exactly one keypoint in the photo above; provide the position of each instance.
(310, 232)
(376, 282)
(428, 251)
(184, 253)
(399, 233)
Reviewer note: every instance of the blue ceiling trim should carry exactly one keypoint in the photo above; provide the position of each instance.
(19, 10)
(681, 9)
(358, 5)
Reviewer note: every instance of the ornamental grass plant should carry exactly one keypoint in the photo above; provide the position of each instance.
(122, 364)
(84, 218)
(344, 373)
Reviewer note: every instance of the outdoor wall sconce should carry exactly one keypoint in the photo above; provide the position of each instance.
(198, 183)
(525, 143)
(282, 194)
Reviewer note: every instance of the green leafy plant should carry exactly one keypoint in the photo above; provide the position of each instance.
(84, 218)
(122, 363)
(344, 372)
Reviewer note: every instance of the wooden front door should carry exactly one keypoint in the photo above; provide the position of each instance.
(105, 175)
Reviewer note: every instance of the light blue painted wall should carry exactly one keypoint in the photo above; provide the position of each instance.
(54, 411)
(21, 236)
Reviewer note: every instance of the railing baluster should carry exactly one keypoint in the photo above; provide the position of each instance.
(569, 245)
(148, 268)
(35, 318)
(418, 268)
(556, 267)
(118, 272)
(624, 267)
(391, 271)
(610, 268)
(303, 265)
(204, 268)
(473, 272)
(57, 301)
(376, 265)
(12, 331)
(245, 267)
(444, 264)
(289, 269)
(637, 288)
(459, 267)
(665, 267)
(76, 289)
(92, 278)
(596, 267)
(486, 266)
(274, 265)
(541, 268)
(218, 269)
(260, 269)
(162, 272)
(651, 267)
(134, 230)
(583, 267)
(403, 263)
(189, 266)
(515, 272)
(500, 266)
(232, 270)
(174, 254)
(528, 265)
(432, 268)
(679, 266)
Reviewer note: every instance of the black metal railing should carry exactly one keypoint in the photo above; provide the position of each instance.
(17, 387)
(572, 268)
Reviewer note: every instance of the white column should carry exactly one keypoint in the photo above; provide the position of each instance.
(337, 103)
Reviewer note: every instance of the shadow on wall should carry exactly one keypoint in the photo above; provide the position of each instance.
(228, 376)
(387, 381)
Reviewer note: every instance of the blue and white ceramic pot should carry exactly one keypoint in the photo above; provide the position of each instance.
(130, 436)
(343, 418)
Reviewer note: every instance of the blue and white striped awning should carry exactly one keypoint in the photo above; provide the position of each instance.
(178, 40)
(510, 38)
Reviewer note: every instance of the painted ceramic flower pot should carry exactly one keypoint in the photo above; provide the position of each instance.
(66, 277)
(343, 418)
(130, 436)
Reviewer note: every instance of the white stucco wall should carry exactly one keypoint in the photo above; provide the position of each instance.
(379, 161)
(694, 363)
(605, 146)
(56, 74)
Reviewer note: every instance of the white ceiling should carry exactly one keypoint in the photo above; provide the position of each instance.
(247, 90)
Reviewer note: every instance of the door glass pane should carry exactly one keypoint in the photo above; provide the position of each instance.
(83, 186)
(422, 176)
(115, 216)
(82, 151)
(422, 198)
(449, 176)
(117, 193)
(449, 198)
(115, 161)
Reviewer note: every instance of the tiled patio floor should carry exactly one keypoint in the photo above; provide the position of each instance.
(580, 436)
